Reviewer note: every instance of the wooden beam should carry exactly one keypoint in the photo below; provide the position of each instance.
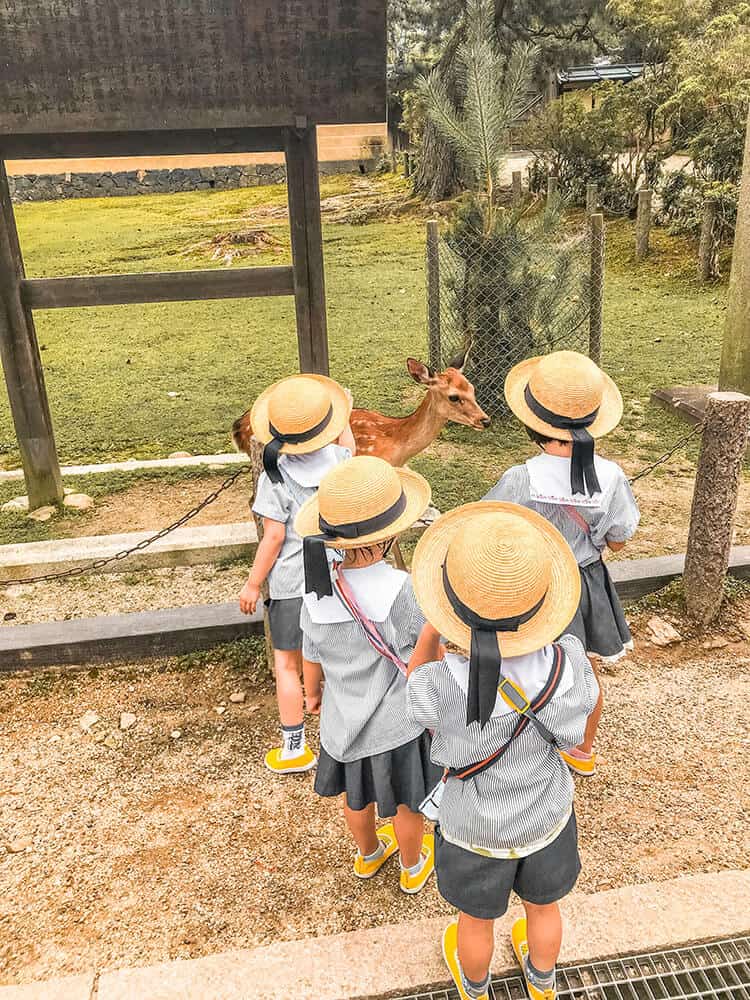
(84, 145)
(168, 286)
(123, 637)
(303, 190)
(22, 365)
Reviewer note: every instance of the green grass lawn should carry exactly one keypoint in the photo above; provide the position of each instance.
(109, 370)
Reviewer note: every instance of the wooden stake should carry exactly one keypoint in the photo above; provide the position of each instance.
(517, 191)
(433, 295)
(256, 462)
(22, 365)
(596, 287)
(643, 223)
(714, 502)
(303, 184)
(592, 198)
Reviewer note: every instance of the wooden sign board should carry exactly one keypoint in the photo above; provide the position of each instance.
(140, 65)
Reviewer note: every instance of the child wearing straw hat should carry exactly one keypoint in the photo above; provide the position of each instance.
(500, 582)
(298, 420)
(566, 402)
(360, 623)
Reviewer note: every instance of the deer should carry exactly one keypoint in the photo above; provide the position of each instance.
(450, 397)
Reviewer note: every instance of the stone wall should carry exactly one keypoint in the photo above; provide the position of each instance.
(52, 187)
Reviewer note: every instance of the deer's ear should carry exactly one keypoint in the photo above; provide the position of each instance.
(420, 372)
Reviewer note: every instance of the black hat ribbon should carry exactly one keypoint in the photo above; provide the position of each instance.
(273, 448)
(583, 477)
(317, 573)
(485, 660)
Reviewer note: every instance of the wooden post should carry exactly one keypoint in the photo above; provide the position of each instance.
(433, 295)
(517, 191)
(592, 198)
(643, 223)
(303, 185)
(596, 290)
(22, 365)
(714, 502)
(256, 463)
(735, 355)
(553, 187)
(706, 254)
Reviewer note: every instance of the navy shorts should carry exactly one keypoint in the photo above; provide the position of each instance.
(481, 886)
(283, 620)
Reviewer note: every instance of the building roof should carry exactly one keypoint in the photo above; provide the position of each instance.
(583, 75)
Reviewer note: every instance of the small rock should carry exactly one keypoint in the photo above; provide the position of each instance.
(67, 490)
(88, 720)
(662, 633)
(127, 721)
(17, 503)
(42, 513)
(100, 737)
(54, 739)
(175, 734)
(19, 845)
(238, 698)
(9, 616)
(220, 709)
(174, 395)
(716, 643)
(79, 501)
(180, 454)
(113, 741)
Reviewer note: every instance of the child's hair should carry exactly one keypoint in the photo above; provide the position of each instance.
(379, 550)
(542, 439)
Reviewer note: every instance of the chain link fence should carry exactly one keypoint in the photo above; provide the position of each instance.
(511, 296)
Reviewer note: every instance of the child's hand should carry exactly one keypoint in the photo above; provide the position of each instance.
(249, 597)
(312, 701)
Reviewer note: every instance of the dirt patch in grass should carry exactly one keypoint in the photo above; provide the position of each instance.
(160, 847)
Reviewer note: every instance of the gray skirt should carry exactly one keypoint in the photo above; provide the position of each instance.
(600, 621)
(400, 777)
(283, 621)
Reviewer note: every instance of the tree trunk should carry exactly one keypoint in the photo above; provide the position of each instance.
(735, 356)
(714, 503)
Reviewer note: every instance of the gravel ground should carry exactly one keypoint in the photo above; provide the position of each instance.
(118, 593)
(149, 847)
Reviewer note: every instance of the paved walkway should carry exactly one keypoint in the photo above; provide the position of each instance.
(402, 958)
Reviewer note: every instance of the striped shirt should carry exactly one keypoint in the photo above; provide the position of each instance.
(364, 697)
(614, 518)
(280, 502)
(529, 791)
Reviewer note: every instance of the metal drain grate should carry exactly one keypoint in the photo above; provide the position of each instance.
(719, 971)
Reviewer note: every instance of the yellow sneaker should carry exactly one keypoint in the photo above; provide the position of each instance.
(411, 884)
(450, 954)
(366, 869)
(585, 766)
(521, 948)
(292, 765)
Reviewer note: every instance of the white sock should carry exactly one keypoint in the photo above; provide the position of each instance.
(375, 854)
(415, 869)
(294, 741)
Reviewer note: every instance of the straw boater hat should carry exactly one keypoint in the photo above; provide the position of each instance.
(567, 397)
(498, 580)
(298, 415)
(359, 502)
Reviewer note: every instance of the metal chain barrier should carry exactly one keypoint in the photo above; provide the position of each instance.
(140, 546)
(698, 429)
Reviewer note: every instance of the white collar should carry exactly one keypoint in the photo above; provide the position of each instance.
(549, 476)
(530, 672)
(375, 588)
(308, 470)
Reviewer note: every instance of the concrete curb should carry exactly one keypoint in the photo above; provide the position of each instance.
(400, 958)
(134, 465)
(184, 547)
